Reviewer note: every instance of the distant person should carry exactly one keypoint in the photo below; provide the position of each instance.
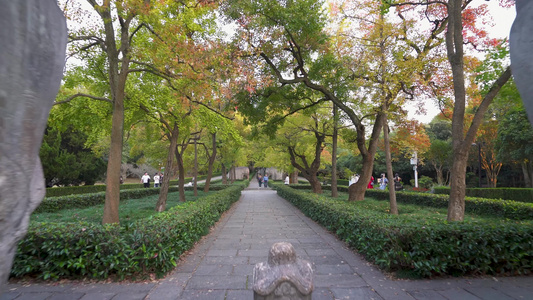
(353, 180)
(265, 180)
(287, 180)
(121, 180)
(383, 182)
(156, 180)
(397, 183)
(145, 180)
(371, 183)
(259, 179)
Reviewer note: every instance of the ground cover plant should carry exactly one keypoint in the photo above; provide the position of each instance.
(130, 210)
(419, 241)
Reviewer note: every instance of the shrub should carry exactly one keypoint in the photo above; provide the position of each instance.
(488, 207)
(425, 249)
(424, 182)
(148, 246)
(516, 194)
(53, 204)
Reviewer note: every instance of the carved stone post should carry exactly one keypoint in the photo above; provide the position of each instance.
(284, 276)
(33, 38)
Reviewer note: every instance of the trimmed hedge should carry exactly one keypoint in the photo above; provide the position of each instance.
(148, 246)
(516, 194)
(394, 244)
(487, 207)
(85, 189)
(507, 209)
(53, 204)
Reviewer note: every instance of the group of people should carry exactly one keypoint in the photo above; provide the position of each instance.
(145, 180)
(382, 182)
(262, 180)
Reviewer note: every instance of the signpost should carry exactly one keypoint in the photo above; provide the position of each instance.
(414, 163)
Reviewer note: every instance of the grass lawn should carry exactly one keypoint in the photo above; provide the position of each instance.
(129, 211)
(421, 214)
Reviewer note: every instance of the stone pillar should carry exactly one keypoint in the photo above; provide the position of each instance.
(33, 39)
(284, 276)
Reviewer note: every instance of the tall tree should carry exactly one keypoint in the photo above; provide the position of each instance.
(462, 28)
(461, 142)
(515, 142)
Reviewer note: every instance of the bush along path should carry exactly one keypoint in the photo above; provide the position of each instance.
(137, 250)
(423, 249)
(220, 266)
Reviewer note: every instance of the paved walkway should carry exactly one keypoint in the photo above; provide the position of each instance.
(221, 264)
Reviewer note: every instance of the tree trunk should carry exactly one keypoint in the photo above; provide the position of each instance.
(440, 176)
(231, 179)
(224, 174)
(162, 200)
(334, 192)
(316, 187)
(195, 173)
(356, 192)
(392, 191)
(181, 173)
(294, 177)
(460, 141)
(456, 205)
(117, 84)
(212, 158)
(527, 170)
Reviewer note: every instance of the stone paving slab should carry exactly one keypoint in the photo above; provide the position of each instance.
(220, 266)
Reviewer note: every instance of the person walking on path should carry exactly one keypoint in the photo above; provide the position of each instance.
(371, 183)
(259, 179)
(145, 180)
(397, 182)
(156, 180)
(265, 180)
(383, 181)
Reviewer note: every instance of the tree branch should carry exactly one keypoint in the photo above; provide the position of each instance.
(70, 98)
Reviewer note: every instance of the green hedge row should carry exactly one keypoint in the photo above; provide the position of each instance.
(395, 243)
(84, 189)
(487, 207)
(53, 204)
(516, 194)
(148, 246)
(507, 209)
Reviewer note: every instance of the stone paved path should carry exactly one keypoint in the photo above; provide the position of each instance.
(220, 266)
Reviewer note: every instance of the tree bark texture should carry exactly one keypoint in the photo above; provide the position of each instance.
(334, 192)
(294, 177)
(461, 142)
(33, 35)
(163, 193)
(356, 192)
(309, 171)
(118, 74)
(195, 175)
(181, 171)
(390, 175)
(224, 174)
(211, 162)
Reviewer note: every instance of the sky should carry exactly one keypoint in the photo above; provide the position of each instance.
(503, 19)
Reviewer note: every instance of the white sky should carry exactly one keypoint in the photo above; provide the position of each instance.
(503, 19)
